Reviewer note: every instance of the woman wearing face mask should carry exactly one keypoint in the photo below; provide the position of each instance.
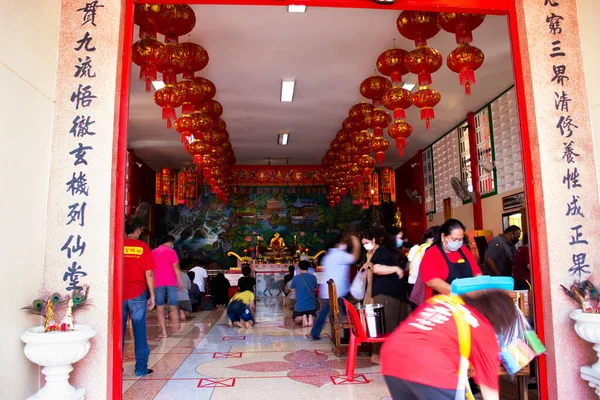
(384, 278)
(447, 259)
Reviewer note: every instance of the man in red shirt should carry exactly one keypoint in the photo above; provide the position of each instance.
(138, 276)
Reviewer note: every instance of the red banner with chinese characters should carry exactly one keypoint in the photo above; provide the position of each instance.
(281, 175)
(388, 184)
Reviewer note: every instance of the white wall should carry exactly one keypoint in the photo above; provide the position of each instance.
(28, 51)
(589, 13)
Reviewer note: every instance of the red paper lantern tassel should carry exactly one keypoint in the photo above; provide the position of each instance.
(427, 114)
(378, 132)
(169, 115)
(147, 31)
(463, 35)
(187, 108)
(467, 77)
(399, 113)
(401, 145)
(149, 74)
(419, 40)
(424, 79)
(396, 78)
(380, 157)
(377, 103)
(169, 78)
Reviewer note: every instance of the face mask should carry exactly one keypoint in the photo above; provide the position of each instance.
(343, 247)
(399, 242)
(368, 246)
(454, 246)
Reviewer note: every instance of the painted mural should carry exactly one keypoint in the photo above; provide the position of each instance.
(302, 219)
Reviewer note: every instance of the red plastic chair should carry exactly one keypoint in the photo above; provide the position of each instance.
(357, 336)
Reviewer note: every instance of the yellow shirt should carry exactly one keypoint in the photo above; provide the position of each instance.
(245, 297)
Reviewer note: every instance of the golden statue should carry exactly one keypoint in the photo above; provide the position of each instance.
(398, 219)
(277, 244)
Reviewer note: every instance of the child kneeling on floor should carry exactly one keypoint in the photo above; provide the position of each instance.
(239, 309)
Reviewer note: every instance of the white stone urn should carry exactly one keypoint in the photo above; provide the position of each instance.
(587, 326)
(56, 351)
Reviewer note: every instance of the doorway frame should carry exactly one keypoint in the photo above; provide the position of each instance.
(489, 7)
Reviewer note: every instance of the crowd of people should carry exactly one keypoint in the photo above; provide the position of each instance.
(425, 323)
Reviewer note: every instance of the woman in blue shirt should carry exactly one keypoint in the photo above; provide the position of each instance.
(305, 284)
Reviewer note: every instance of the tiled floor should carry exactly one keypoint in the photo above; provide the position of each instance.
(205, 359)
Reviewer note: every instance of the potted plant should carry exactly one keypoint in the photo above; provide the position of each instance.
(55, 346)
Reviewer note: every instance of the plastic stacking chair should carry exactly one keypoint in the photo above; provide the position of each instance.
(357, 336)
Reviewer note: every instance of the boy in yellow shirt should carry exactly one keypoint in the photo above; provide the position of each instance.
(239, 309)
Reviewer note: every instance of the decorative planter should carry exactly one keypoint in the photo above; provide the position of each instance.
(587, 327)
(56, 351)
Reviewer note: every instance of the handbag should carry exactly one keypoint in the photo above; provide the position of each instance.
(358, 287)
(317, 302)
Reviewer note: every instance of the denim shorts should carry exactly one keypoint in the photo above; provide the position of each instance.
(168, 292)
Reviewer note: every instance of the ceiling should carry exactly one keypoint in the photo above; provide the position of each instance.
(329, 51)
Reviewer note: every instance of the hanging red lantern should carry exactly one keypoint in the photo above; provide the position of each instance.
(461, 24)
(146, 16)
(359, 111)
(196, 59)
(400, 131)
(147, 53)
(220, 125)
(465, 60)
(169, 98)
(171, 63)
(378, 120)
(367, 163)
(209, 88)
(397, 99)
(185, 125)
(202, 123)
(361, 140)
(349, 126)
(378, 146)
(391, 63)
(423, 62)
(212, 108)
(418, 26)
(176, 20)
(426, 99)
(192, 94)
(374, 87)
(343, 137)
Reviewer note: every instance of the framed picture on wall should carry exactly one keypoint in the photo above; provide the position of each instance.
(447, 209)
(516, 200)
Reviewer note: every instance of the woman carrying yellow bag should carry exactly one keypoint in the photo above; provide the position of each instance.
(428, 356)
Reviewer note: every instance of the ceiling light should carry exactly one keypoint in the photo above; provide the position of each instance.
(296, 8)
(408, 86)
(158, 85)
(287, 90)
(282, 138)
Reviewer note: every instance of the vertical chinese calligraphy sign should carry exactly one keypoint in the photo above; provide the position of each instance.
(563, 176)
(79, 234)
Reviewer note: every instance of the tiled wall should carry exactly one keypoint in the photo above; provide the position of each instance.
(445, 166)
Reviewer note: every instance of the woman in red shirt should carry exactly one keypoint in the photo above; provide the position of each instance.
(447, 259)
(421, 358)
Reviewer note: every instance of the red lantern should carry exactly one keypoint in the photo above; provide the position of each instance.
(426, 99)
(171, 63)
(209, 88)
(367, 163)
(418, 26)
(213, 108)
(147, 53)
(176, 20)
(359, 111)
(361, 140)
(169, 98)
(349, 126)
(378, 120)
(192, 94)
(400, 131)
(464, 60)
(397, 99)
(197, 149)
(461, 24)
(378, 146)
(374, 87)
(220, 125)
(146, 16)
(391, 63)
(343, 137)
(424, 61)
(202, 123)
(185, 126)
(196, 59)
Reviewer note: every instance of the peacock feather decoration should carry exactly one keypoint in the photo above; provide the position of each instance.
(48, 305)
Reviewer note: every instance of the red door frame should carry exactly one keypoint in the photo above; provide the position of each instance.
(496, 7)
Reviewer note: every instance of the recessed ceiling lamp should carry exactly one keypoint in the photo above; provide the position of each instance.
(296, 8)
(408, 86)
(158, 85)
(384, 1)
(287, 90)
(282, 138)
